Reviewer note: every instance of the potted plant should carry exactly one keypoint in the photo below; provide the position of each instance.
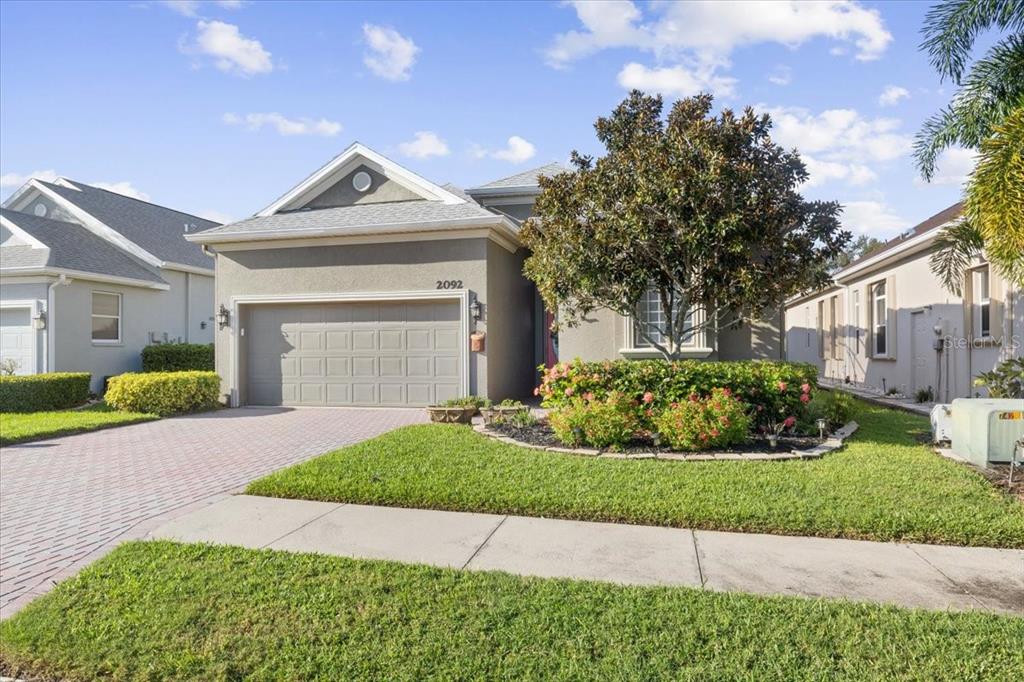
(503, 410)
(457, 410)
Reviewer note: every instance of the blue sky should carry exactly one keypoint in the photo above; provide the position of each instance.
(217, 108)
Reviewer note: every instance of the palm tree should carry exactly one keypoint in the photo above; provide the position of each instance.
(984, 114)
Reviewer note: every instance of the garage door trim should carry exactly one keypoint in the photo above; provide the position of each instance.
(33, 306)
(459, 295)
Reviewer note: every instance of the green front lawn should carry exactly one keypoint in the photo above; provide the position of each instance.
(19, 427)
(883, 486)
(167, 611)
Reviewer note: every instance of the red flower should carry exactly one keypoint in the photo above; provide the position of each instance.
(806, 388)
(726, 391)
(805, 398)
(714, 433)
(648, 397)
(789, 422)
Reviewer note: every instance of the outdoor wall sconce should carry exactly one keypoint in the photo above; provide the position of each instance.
(475, 310)
(39, 321)
(223, 316)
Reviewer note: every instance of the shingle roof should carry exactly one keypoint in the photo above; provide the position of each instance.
(71, 246)
(937, 220)
(527, 178)
(357, 216)
(157, 229)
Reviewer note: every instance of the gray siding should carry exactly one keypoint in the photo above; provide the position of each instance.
(342, 193)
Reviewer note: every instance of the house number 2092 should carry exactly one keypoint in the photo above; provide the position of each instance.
(449, 284)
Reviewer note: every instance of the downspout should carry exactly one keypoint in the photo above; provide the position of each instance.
(50, 349)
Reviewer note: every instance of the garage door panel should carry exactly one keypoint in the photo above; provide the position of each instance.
(358, 353)
(18, 339)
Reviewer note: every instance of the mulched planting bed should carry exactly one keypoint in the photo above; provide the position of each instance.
(541, 434)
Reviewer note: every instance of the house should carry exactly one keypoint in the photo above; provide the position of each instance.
(88, 277)
(366, 284)
(888, 323)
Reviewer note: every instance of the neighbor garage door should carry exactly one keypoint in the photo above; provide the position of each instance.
(365, 353)
(17, 339)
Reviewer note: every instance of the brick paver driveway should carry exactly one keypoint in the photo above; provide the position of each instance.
(66, 501)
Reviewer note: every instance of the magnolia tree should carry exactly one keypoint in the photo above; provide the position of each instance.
(705, 210)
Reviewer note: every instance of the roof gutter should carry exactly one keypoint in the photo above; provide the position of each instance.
(500, 223)
(516, 191)
(83, 274)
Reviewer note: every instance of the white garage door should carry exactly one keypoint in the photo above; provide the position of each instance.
(365, 353)
(17, 339)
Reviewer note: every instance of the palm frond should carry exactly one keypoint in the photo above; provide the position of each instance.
(992, 89)
(951, 27)
(956, 245)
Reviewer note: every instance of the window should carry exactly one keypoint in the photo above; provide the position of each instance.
(833, 336)
(106, 317)
(807, 323)
(821, 329)
(856, 320)
(984, 303)
(650, 316)
(880, 319)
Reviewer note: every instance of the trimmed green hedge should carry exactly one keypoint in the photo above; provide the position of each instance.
(178, 357)
(42, 392)
(164, 393)
(774, 390)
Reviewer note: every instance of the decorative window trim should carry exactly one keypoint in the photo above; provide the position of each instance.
(119, 317)
(886, 324)
(983, 301)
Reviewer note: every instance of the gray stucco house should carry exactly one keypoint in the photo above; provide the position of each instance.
(887, 322)
(89, 277)
(366, 284)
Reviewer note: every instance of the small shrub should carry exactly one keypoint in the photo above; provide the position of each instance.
(43, 392)
(517, 420)
(468, 401)
(924, 395)
(835, 407)
(178, 357)
(696, 423)
(1005, 381)
(608, 423)
(509, 402)
(164, 393)
(774, 390)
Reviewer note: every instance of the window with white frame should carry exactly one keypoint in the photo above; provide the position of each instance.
(856, 320)
(106, 317)
(650, 315)
(983, 302)
(807, 324)
(880, 319)
(821, 329)
(833, 331)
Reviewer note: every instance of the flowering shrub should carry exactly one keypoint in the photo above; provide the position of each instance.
(773, 390)
(602, 423)
(699, 423)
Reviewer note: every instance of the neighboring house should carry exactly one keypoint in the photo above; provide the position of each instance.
(88, 277)
(888, 323)
(366, 284)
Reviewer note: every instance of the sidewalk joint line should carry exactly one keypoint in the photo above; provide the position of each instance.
(696, 555)
(951, 581)
(484, 543)
(298, 528)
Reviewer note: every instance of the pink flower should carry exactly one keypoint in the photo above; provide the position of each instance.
(726, 391)
(806, 388)
(782, 385)
(648, 397)
(568, 391)
(588, 396)
(805, 398)
(536, 391)
(693, 397)
(789, 422)
(714, 433)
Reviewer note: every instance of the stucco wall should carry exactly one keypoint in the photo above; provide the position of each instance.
(511, 326)
(398, 266)
(920, 305)
(599, 337)
(201, 311)
(142, 311)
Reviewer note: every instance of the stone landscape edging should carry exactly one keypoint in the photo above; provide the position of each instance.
(833, 442)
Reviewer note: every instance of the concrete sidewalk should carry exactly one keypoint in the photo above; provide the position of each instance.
(924, 576)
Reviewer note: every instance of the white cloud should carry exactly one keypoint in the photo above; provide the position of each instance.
(822, 172)
(871, 217)
(216, 216)
(424, 144)
(17, 179)
(123, 187)
(718, 27)
(184, 7)
(676, 81)
(952, 167)
(517, 150)
(231, 51)
(892, 95)
(392, 54)
(781, 75)
(284, 125)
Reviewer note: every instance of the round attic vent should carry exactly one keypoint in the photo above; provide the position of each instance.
(361, 181)
(40, 210)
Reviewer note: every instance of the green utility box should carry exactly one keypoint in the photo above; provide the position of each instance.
(986, 430)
